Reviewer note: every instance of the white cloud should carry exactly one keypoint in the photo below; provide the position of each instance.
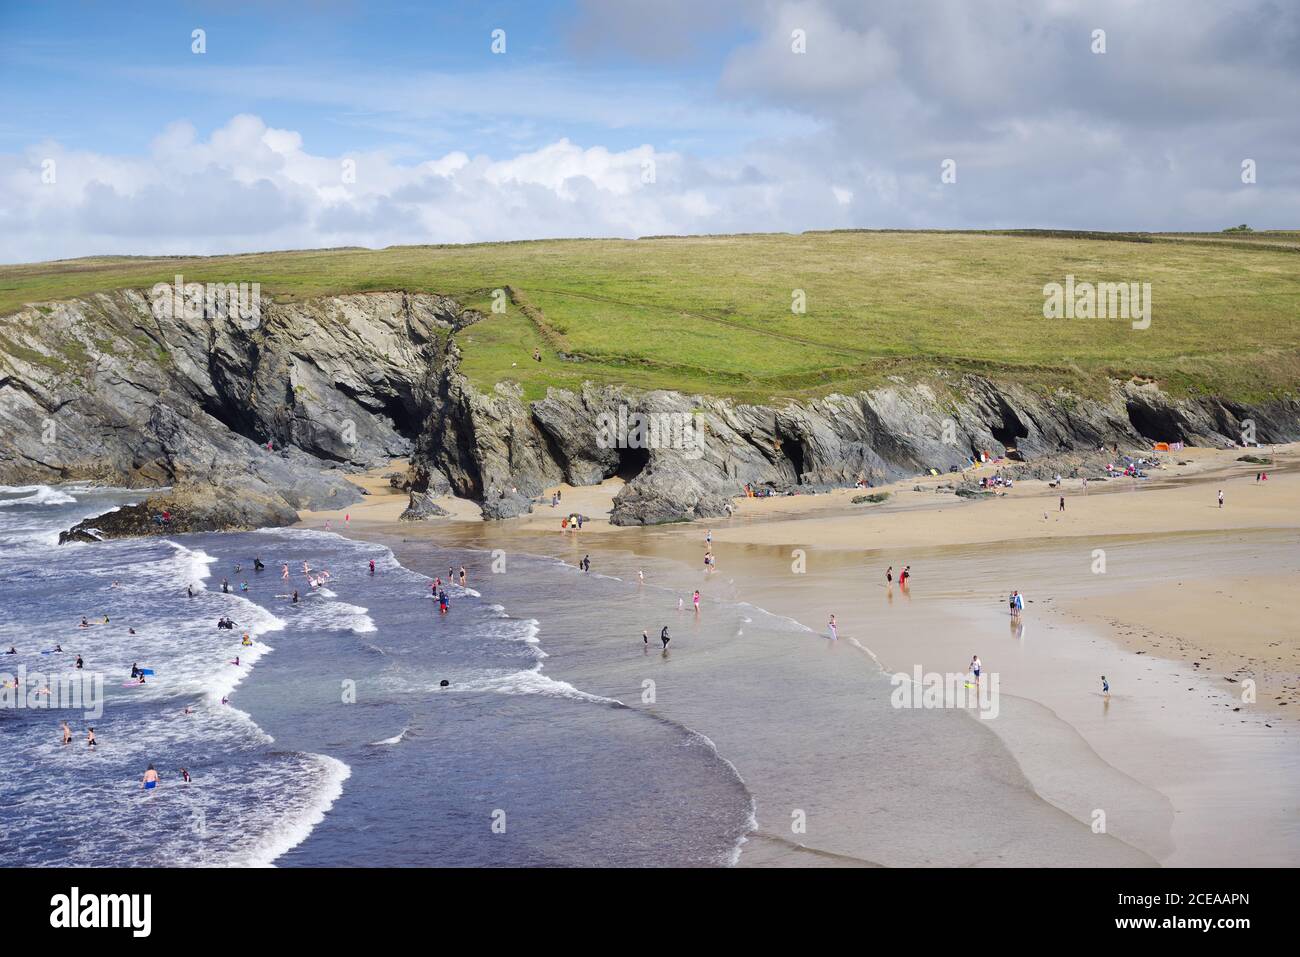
(250, 186)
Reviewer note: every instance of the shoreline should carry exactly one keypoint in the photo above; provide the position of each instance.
(1138, 760)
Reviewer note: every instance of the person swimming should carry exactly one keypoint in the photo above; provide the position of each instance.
(150, 779)
(185, 775)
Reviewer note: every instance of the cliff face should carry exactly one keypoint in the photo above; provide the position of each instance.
(103, 389)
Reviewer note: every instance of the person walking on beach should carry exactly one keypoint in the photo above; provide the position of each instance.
(1220, 498)
(696, 599)
(835, 635)
(663, 636)
(1020, 604)
(1011, 603)
(975, 669)
(645, 637)
(1105, 686)
(889, 575)
(1061, 507)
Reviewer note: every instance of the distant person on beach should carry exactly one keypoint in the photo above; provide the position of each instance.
(975, 668)
(696, 599)
(1061, 508)
(835, 635)
(889, 575)
(150, 779)
(1220, 498)
(1105, 686)
(663, 636)
(645, 637)
(905, 574)
(1011, 603)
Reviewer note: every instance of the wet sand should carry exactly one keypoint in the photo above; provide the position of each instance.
(1181, 770)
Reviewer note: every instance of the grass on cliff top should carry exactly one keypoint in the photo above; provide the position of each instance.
(712, 314)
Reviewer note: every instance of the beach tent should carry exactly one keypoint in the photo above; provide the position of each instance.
(1162, 446)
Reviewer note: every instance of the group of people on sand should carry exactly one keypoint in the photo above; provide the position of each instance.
(1016, 602)
(903, 576)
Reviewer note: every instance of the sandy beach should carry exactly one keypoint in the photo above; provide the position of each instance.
(1192, 759)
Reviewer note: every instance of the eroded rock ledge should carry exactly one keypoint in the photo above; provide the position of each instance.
(102, 389)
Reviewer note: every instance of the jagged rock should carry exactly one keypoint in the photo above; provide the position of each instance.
(242, 504)
(507, 505)
(421, 507)
(101, 389)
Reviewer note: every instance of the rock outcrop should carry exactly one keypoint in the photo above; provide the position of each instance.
(246, 424)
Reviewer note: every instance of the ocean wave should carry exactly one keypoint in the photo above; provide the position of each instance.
(291, 830)
(527, 683)
(39, 495)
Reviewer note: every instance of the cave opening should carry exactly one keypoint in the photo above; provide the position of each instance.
(631, 462)
(1158, 425)
(1010, 430)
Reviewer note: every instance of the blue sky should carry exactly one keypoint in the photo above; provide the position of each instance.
(348, 76)
(331, 122)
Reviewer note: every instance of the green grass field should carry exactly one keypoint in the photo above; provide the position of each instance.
(712, 314)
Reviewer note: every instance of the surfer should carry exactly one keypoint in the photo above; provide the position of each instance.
(257, 567)
(236, 661)
(135, 670)
(84, 624)
(58, 649)
(150, 779)
(12, 650)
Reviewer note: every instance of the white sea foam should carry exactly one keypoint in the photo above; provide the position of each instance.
(39, 495)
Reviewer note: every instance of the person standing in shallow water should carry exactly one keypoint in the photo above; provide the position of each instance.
(663, 636)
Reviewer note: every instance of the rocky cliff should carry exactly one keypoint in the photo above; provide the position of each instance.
(246, 422)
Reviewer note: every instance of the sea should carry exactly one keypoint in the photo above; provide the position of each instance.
(357, 727)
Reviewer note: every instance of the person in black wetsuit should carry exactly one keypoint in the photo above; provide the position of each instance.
(663, 636)
(257, 565)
